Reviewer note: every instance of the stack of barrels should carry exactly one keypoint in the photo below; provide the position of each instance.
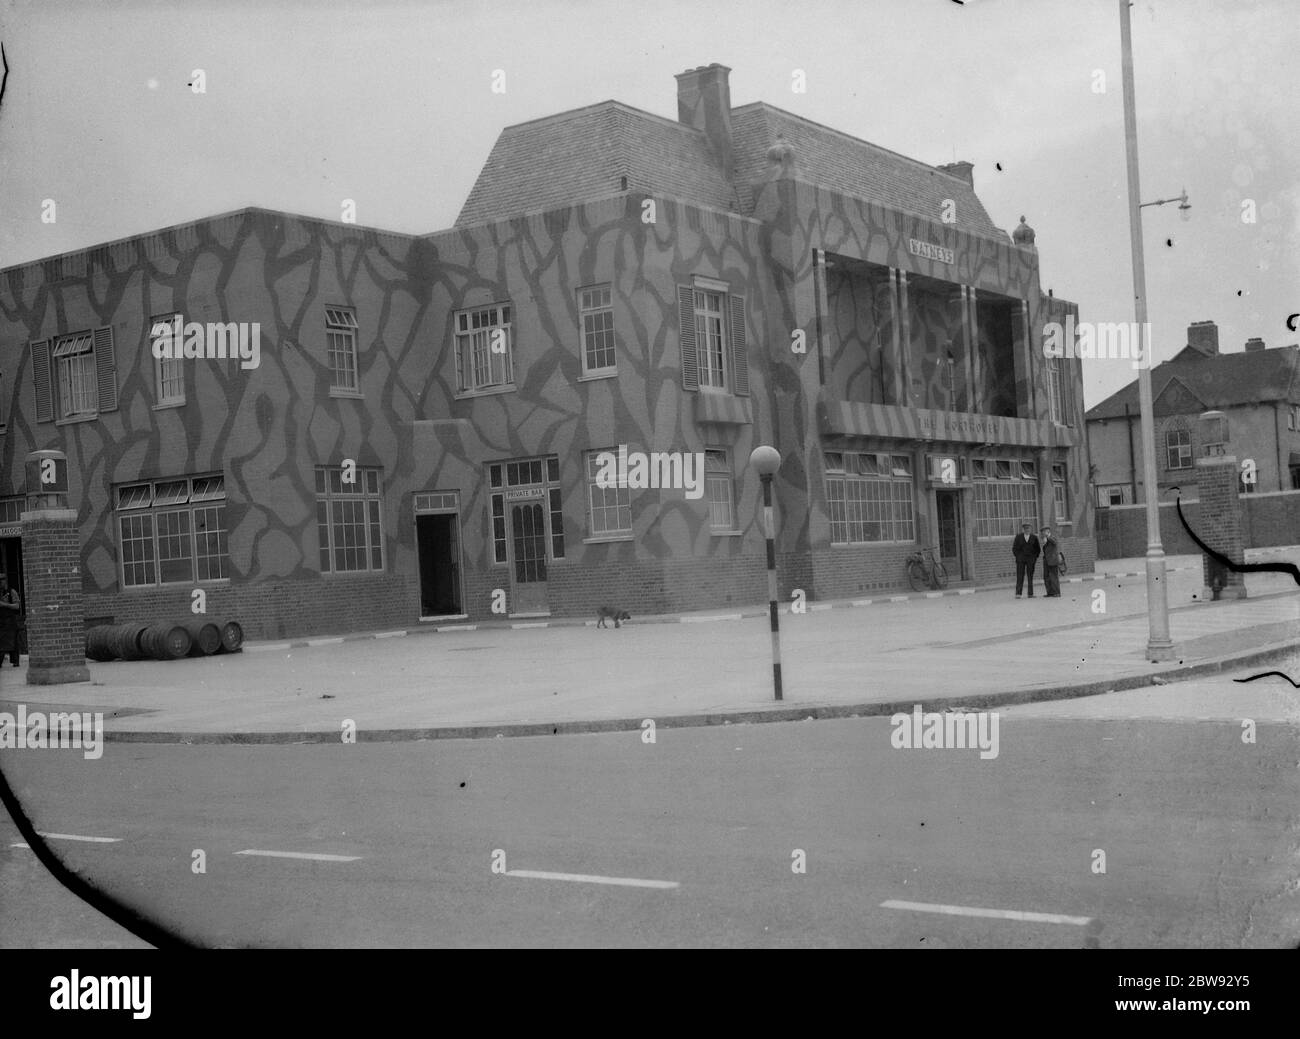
(163, 641)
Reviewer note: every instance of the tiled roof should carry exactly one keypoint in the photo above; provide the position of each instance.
(852, 166)
(583, 155)
(1225, 380)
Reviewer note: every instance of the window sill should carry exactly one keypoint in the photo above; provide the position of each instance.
(869, 544)
(597, 376)
(129, 589)
(727, 533)
(492, 391)
(339, 392)
(72, 421)
(346, 574)
(603, 539)
(167, 405)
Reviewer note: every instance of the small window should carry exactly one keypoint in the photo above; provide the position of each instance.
(1178, 449)
(834, 461)
(168, 372)
(1028, 470)
(135, 496)
(979, 468)
(484, 349)
(341, 343)
(720, 491)
(1001, 469)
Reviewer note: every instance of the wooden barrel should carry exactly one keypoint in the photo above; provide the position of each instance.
(166, 641)
(100, 642)
(232, 637)
(127, 642)
(205, 636)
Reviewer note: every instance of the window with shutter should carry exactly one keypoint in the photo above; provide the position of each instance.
(105, 369)
(690, 358)
(41, 375)
(739, 352)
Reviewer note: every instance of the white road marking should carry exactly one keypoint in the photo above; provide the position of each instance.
(267, 647)
(997, 914)
(934, 595)
(965, 591)
(457, 627)
(711, 617)
(390, 635)
(898, 598)
(531, 624)
(313, 856)
(862, 602)
(584, 878)
(325, 642)
(72, 837)
(820, 606)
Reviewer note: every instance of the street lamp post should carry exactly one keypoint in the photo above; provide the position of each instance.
(767, 460)
(1159, 645)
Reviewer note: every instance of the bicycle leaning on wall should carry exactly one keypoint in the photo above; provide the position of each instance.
(925, 571)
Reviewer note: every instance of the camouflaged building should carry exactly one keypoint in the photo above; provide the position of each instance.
(419, 436)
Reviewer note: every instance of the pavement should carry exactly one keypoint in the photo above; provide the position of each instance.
(972, 648)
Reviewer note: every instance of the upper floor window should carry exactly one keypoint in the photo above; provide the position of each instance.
(74, 360)
(1006, 495)
(596, 316)
(484, 348)
(712, 337)
(1056, 390)
(75, 375)
(168, 373)
(1178, 449)
(341, 343)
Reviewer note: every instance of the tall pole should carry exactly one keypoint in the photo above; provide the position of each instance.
(774, 613)
(1159, 646)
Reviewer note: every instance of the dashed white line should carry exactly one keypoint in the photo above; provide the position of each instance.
(996, 914)
(325, 642)
(72, 837)
(311, 855)
(934, 595)
(530, 624)
(898, 598)
(584, 878)
(457, 627)
(711, 617)
(267, 647)
(390, 634)
(965, 591)
(863, 602)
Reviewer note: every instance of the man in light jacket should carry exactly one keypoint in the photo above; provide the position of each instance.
(1051, 564)
(1025, 548)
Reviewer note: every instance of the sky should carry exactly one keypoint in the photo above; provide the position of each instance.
(392, 105)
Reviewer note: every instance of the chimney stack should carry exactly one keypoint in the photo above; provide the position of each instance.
(1254, 343)
(704, 102)
(1203, 337)
(960, 170)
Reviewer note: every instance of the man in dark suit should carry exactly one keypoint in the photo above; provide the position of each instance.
(1025, 548)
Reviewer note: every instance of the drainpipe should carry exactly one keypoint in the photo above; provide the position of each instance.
(1277, 437)
(1132, 460)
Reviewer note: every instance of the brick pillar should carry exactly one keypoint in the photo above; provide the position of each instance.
(56, 628)
(1220, 523)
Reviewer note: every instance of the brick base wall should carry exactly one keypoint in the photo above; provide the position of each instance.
(1266, 520)
(841, 573)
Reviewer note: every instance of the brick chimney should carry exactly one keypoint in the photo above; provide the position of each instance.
(1254, 343)
(960, 170)
(1203, 337)
(704, 101)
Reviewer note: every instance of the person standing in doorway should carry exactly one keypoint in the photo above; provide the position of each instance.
(1051, 564)
(1025, 548)
(11, 618)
